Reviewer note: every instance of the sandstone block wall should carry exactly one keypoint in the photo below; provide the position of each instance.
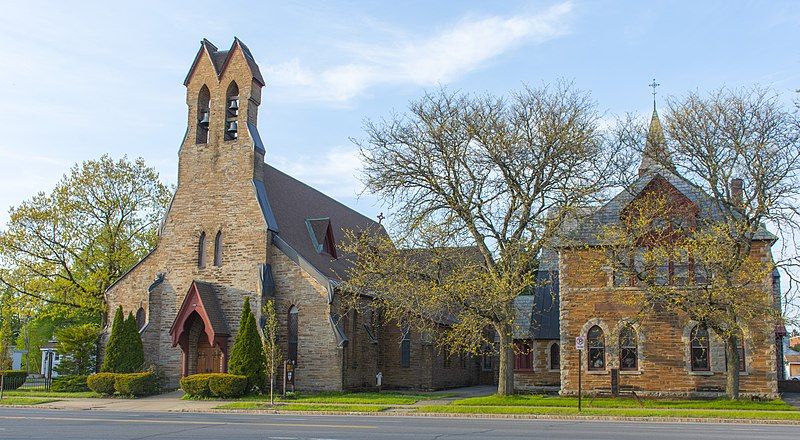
(589, 298)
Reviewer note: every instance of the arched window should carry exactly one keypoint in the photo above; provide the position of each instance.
(203, 115)
(140, 318)
(555, 357)
(291, 334)
(218, 249)
(201, 251)
(597, 348)
(405, 347)
(628, 341)
(700, 348)
(232, 112)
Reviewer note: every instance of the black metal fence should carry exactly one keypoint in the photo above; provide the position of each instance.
(23, 382)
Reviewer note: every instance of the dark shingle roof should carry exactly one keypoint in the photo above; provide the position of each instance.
(537, 315)
(293, 202)
(588, 228)
(210, 298)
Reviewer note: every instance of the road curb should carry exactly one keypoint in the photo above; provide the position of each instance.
(512, 416)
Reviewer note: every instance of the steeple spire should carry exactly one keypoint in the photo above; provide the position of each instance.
(655, 153)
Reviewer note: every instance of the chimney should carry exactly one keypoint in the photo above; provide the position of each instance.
(736, 191)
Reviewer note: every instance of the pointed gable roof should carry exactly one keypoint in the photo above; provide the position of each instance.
(202, 298)
(587, 229)
(220, 59)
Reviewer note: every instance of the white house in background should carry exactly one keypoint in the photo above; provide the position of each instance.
(50, 359)
(16, 359)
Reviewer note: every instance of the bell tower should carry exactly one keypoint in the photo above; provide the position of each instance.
(223, 92)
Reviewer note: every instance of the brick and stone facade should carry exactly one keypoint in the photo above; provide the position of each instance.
(240, 228)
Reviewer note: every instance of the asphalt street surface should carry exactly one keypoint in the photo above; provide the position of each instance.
(18, 423)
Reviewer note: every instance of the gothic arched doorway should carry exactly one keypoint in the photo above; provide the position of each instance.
(201, 331)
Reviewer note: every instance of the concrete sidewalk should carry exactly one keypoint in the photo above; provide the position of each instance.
(162, 403)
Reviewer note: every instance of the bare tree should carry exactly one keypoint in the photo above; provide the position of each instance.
(474, 176)
(739, 150)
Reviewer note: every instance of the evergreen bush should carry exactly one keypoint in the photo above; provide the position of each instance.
(115, 349)
(247, 356)
(135, 349)
(69, 384)
(78, 348)
(124, 351)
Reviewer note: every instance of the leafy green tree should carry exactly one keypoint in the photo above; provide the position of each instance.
(6, 340)
(135, 350)
(78, 348)
(247, 355)
(115, 348)
(272, 350)
(68, 246)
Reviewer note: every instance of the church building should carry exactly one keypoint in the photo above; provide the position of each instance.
(237, 227)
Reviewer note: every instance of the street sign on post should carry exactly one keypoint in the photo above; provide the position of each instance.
(580, 344)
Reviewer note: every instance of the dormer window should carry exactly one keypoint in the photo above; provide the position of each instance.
(232, 112)
(320, 231)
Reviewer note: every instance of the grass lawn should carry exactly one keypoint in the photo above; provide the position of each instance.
(387, 398)
(619, 412)
(303, 407)
(35, 393)
(606, 402)
(23, 400)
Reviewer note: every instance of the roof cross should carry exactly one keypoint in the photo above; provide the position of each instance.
(654, 84)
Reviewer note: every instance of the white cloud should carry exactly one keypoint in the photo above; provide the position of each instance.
(441, 58)
(335, 173)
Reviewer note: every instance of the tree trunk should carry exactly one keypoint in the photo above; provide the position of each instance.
(732, 363)
(505, 382)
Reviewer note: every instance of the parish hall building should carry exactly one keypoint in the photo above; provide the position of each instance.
(238, 227)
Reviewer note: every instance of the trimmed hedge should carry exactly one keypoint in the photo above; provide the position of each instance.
(221, 385)
(13, 379)
(69, 384)
(102, 383)
(127, 384)
(196, 385)
(136, 384)
(227, 385)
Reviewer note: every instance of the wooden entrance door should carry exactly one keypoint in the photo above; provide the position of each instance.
(209, 359)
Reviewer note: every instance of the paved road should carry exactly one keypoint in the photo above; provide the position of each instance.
(86, 425)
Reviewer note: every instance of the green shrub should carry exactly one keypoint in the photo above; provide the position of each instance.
(196, 385)
(102, 383)
(227, 386)
(136, 384)
(13, 379)
(69, 384)
(134, 349)
(247, 354)
(78, 347)
(124, 353)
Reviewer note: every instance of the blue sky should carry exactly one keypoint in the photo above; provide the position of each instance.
(77, 81)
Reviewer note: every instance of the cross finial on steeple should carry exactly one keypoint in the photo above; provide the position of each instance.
(380, 218)
(654, 84)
